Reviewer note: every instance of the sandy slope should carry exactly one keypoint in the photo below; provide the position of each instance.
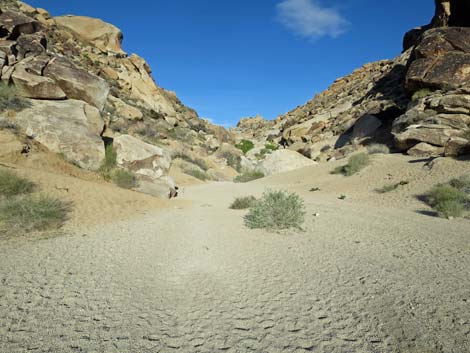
(370, 274)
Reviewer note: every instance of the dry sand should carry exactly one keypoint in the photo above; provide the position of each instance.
(372, 273)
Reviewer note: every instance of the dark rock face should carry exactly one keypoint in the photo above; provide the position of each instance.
(442, 60)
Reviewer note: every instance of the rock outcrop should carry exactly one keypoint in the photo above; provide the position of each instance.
(282, 161)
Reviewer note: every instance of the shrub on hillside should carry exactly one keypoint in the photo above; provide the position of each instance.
(124, 178)
(33, 213)
(391, 187)
(248, 176)
(9, 99)
(11, 184)
(377, 148)
(451, 199)
(422, 93)
(355, 164)
(245, 146)
(109, 162)
(201, 163)
(242, 203)
(233, 160)
(196, 173)
(276, 210)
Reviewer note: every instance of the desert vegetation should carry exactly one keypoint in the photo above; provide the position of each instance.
(9, 99)
(391, 187)
(276, 210)
(248, 176)
(355, 164)
(196, 173)
(245, 146)
(242, 203)
(124, 178)
(22, 212)
(110, 172)
(451, 199)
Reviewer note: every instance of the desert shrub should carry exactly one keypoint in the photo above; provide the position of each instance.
(355, 164)
(450, 199)
(276, 210)
(33, 213)
(422, 93)
(245, 146)
(391, 187)
(248, 176)
(242, 203)
(8, 125)
(109, 162)
(196, 173)
(201, 163)
(271, 146)
(124, 178)
(12, 184)
(377, 148)
(233, 160)
(9, 99)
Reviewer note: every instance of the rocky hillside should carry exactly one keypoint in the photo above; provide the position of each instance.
(417, 103)
(68, 85)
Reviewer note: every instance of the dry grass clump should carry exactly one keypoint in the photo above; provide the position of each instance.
(196, 173)
(124, 178)
(242, 203)
(451, 199)
(276, 210)
(248, 176)
(391, 187)
(378, 148)
(355, 164)
(121, 177)
(12, 184)
(9, 99)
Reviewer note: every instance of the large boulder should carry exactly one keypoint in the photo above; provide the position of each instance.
(78, 83)
(366, 126)
(102, 35)
(125, 110)
(146, 160)
(13, 24)
(442, 60)
(69, 127)
(281, 161)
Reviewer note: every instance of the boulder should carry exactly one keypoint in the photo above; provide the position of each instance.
(442, 60)
(436, 135)
(281, 161)
(102, 35)
(31, 45)
(146, 160)
(457, 146)
(15, 24)
(125, 110)
(68, 127)
(78, 83)
(366, 126)
(29, 84)
(425, 150)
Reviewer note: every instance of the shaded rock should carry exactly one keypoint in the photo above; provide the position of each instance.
(67, 127)
(425, 150)
(457, 146)
(144, 159)
(31, 45)
(102, 35)
(125, 110)
(281, 161)
(366, 126)
(78, 83)
(15, 23)
(437, 135)
(8, 47)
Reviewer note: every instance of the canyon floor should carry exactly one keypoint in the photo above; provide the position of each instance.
(373, 273)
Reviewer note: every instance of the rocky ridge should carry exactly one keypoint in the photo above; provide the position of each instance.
(419, 99)
(80, 92)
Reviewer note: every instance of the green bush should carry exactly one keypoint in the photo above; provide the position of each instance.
(124, 178)
(245, 146)
(422, 93)
(276, 210)
(30, 213)
(242, 203)
(248, 176)
(355, 164)
(196, 173)
(233, 160)
(109, 162)
(11, 184)
(9, 99)
(451, 199)
(271, 146)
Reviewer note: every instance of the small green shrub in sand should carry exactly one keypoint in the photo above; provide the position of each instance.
(422, 93)
(33, 213)
(196, 173)
(242, 203)
(248, 176)
(355, 164)
(124, 178)
(391, 187)
(11, 184)
(233, 160)
(276, 210)
(245, 146)
(451, 199)
(9, 99)
(109, 162)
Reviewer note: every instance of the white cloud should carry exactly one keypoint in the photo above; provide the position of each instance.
(308, 18)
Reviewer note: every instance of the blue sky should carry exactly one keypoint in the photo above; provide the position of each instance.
(235, 58)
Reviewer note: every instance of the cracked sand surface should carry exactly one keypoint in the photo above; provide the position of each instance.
(194, 279)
